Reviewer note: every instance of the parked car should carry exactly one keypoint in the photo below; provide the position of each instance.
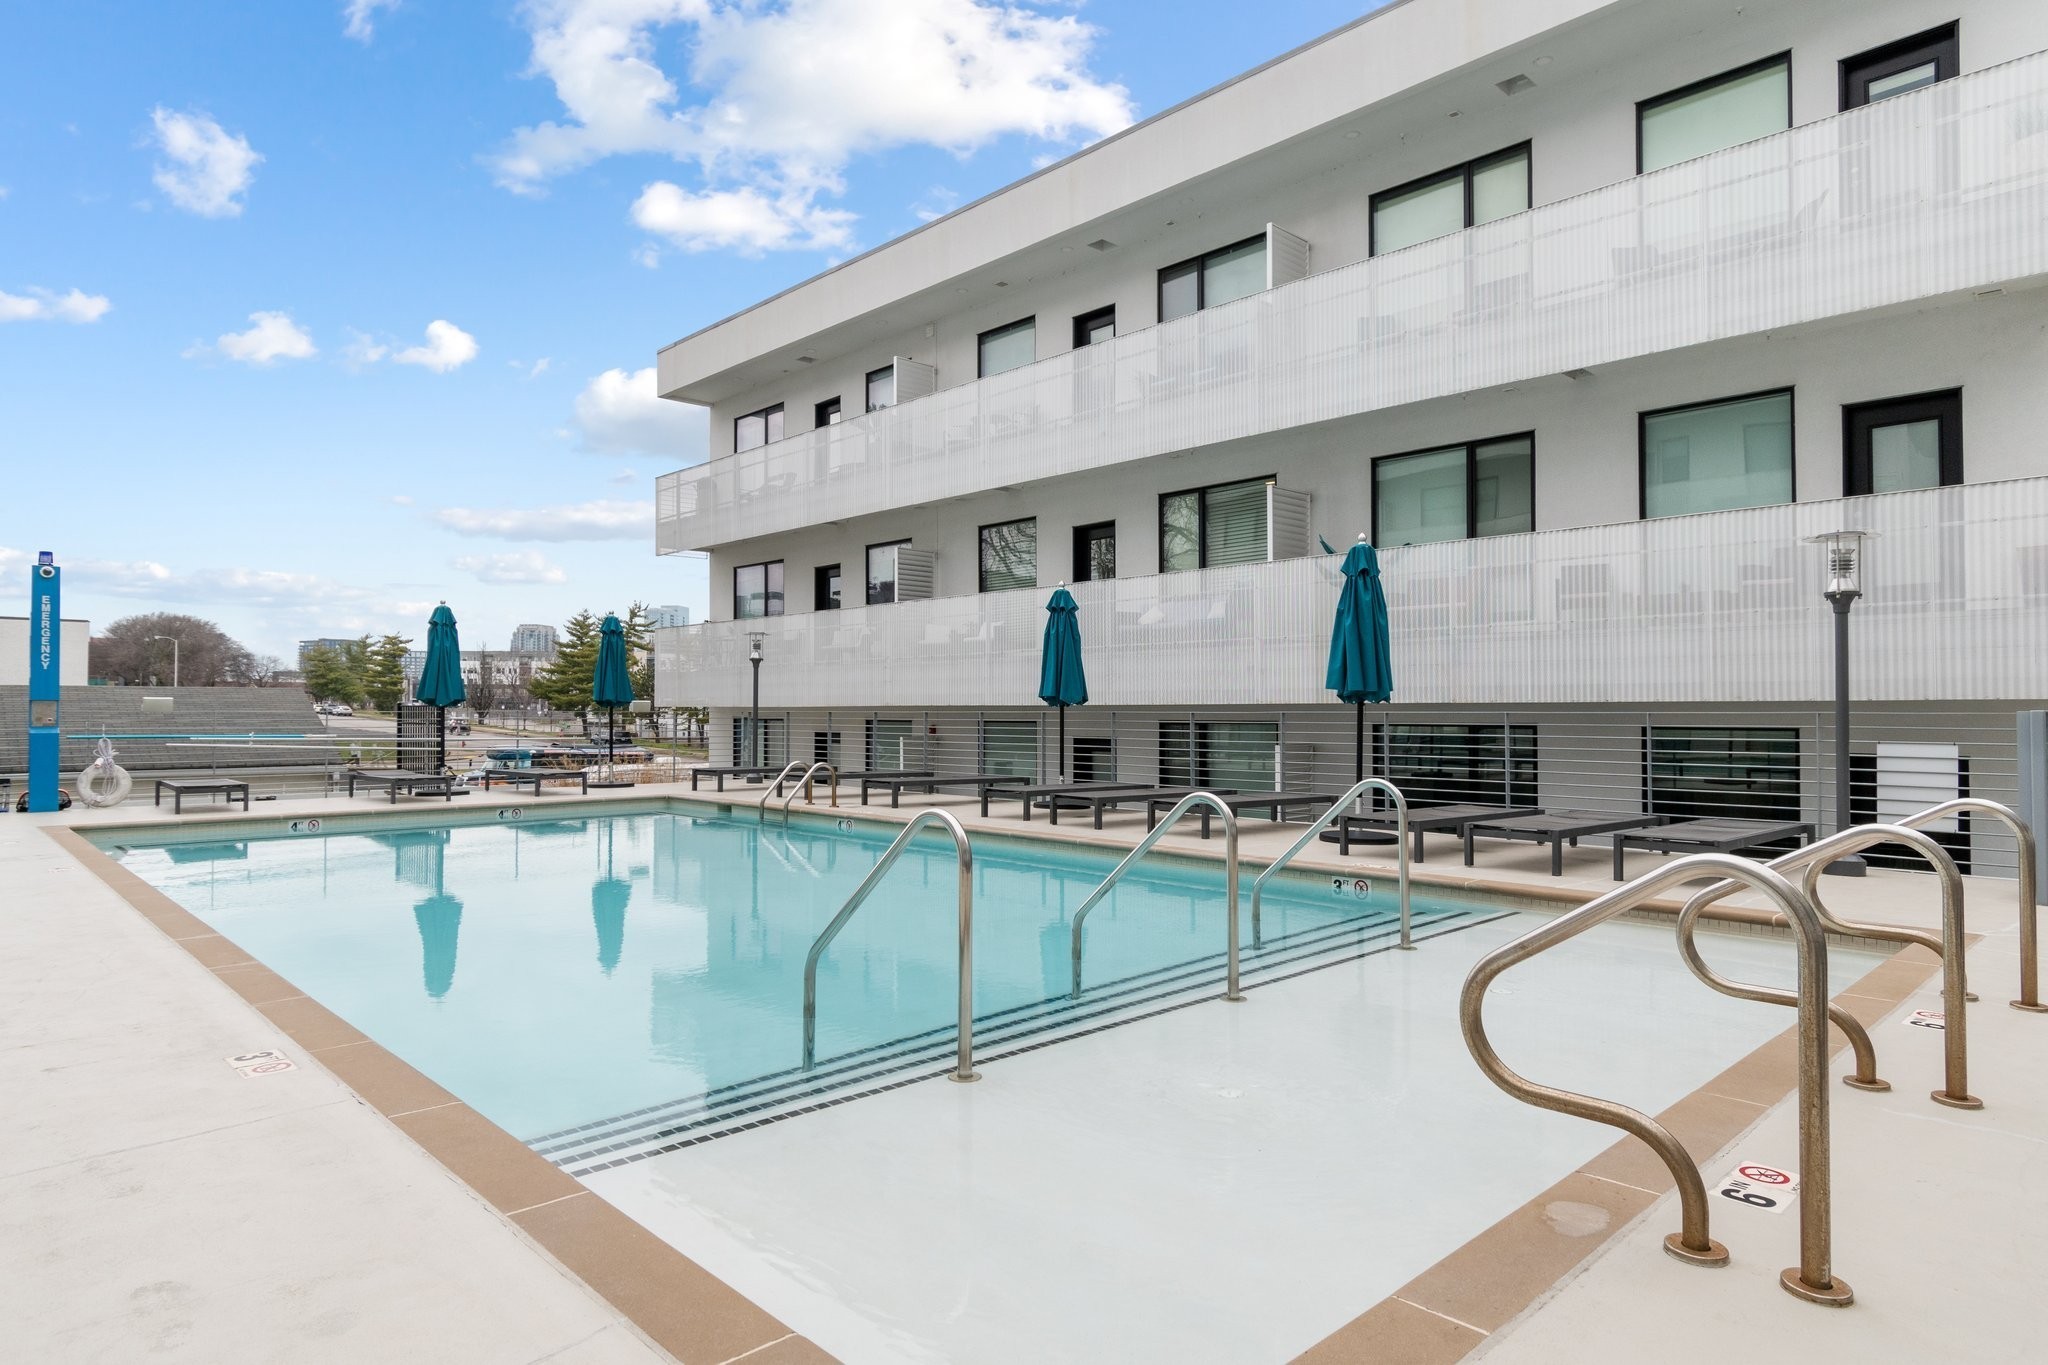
(340, 709)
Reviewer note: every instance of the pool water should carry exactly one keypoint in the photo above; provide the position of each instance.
(554, 972)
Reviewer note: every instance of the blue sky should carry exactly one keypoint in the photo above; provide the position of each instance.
(316, 313)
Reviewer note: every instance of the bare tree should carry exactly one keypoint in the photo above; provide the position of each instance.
(137, 650)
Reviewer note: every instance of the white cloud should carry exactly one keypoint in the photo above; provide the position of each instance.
(520, 566)
(208, 168)
(600, 520)
(448, 347)
(269, 337)
(745, 219)
(46, 305)
(938, 201)
(400, 499)
(533, 371)
(783, 98)
(359, 17)
(619, 413)
(363, 349)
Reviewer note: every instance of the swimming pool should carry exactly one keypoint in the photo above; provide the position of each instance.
(611, 985)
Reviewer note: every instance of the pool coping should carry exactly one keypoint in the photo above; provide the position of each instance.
(1439, 1317)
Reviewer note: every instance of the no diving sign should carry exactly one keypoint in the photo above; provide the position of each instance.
(247, 1064)
(1930, 1019)
(1758, 1186)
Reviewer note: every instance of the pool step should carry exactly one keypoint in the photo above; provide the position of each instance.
(722, 1111)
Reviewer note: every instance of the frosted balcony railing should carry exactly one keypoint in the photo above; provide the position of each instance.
(1938, 190)
(1723, 607)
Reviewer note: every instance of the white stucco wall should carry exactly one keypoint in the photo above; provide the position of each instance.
(14, 645)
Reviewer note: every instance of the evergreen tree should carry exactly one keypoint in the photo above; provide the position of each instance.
(330, 678)
(384, 671)
(565, 684)
(639, 623)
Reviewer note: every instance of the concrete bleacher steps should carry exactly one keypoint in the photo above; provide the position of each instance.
(87, 712)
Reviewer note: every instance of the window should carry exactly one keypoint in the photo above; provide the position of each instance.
(1009, 348)
(889, 747)
(1091, 328)
(1717, 456)
(1009, 748)
(772, 750)
(1903, 443)
(1486, 488)
(1231, 756)
(1206, 527)
(1009, 555)
(1736, 106)
(882, 571)
(825, 748)
(826, 414)
(1231, 272)
(757, 428)
(757, 590)
(1898, 67)
(881, 388)
(1095, 552)
(1461, 197)
(825, 588)
(1480, 765)
(1699, 773)
(1094, 759)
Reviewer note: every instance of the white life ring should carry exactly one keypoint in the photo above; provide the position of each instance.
(117, 784)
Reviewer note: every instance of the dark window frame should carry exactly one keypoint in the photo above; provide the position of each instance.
(1471, 479)
(1201, 517)
(767, 598)
(773, 409)
(867, 571)
(1087, 322)
(981, 345)
(1790, 391)
(1083, 537)
(1707, 83)
(1197, 263)
(1944, 405)
(825, 409)
(981, 567)
(868, 387)
(820, 600)
(1752, 733)
(1941, 44)
(1526, 148)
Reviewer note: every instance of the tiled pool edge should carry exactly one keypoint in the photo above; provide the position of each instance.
(1450, 1310)
(676, 1303)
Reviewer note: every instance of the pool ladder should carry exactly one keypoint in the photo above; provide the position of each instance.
(1809, 920)
(963, 1066)
(1322, 823)
(801, 784)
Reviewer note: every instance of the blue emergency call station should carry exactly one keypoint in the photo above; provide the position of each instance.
(45, 668)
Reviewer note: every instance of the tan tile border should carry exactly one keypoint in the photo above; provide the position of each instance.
(679, 1305)
(1494, 1278)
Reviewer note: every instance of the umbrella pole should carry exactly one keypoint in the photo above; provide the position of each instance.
(1358, 743)
(1062, 764)
(441, 734)
(611, 721)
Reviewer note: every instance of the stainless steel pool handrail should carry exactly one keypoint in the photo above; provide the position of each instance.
(803, 784)
(963, 1065)
(2023, 836)
(1812, 1279)
(1947, 948)
(1322, 823)
(775, 788)
(1181, 808)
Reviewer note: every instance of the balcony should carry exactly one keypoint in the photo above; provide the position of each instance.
(1724, 607)
(1930, 193)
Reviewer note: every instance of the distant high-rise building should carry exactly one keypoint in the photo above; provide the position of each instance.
(308, 646)
(533, 640)
(664, 617)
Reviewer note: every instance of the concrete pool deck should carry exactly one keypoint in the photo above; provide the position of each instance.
(138, 1016)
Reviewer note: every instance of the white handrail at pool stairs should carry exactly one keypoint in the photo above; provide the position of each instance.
(803, 784)
(963, 1067)
(775, 788)
(1322, 822)
(1181, 808)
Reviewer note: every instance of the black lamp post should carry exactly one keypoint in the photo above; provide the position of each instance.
(1844, 551)
(754, 658)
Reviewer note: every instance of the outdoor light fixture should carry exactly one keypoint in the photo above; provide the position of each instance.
(754, 658)
(174, 655)
(1844, 584)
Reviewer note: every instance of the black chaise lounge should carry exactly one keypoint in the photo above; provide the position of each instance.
(515, 778)
(1071, 795)
(1275, 804)
(722, 773)
(1097, 802)
(1556, 828)
(979, 784)
(396, 780)
(182, 787)
(1709, 836)
(1423, 820)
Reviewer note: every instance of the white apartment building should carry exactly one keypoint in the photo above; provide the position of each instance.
(1587, 314)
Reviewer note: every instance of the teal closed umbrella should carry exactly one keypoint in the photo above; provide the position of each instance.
(1061, 682)
(1361, 654)
(441, 679)
(611, 686)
